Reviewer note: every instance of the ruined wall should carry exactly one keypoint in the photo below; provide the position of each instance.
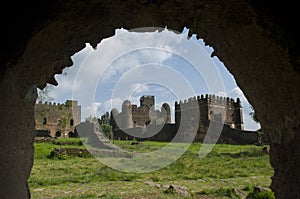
(256, 40)
(142, 116)
(59, 119)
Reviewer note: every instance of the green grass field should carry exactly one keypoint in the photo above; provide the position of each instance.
(225, 168)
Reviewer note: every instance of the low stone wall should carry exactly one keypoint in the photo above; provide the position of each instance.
(169, 131)
(236, 136)
(153, 133)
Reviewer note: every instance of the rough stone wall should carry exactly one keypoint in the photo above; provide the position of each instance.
(256, 40)
(57, 117)
(167, 132)
(147, 100)
(216, 109)
(140, 116)
(212, 108)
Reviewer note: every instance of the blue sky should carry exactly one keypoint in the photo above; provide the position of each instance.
(130, 64)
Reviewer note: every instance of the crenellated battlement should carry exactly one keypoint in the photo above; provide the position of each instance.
(212, 107)
(210, 100)
(68, 104)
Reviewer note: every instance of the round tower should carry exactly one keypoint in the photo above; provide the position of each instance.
(166, 108)
(114, 118)
(126, 118)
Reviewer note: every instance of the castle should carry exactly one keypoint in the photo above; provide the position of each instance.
(133, 116)
(57, 120)
(211, 107)
(201, 109)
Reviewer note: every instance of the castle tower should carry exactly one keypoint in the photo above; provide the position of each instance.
(114, 118)
(178, 112)
(147, 100)
(238, 115)
(203, 107)
(167, 112)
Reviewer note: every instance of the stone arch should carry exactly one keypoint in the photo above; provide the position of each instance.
(252, 39)
(71, 134)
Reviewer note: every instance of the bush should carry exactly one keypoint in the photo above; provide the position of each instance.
(68, 141)
(106, 128)
(229, 192)
(255, 194)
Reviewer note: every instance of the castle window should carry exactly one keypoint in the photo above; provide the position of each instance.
(71, 122)
(59, 122)
(44, 120)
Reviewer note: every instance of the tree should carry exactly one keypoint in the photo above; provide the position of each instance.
(253, 114)
(107, 129)
(104, 118)
(91, 119)
(44, 95)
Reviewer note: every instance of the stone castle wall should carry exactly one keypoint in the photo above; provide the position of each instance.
(213, 108)
(59, 120)
(193, 114)
(168, 132)
(142, 116)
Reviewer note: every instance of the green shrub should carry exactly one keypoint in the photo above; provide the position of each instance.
(229, 192)
(260, 195)
(68, 141)
(246, 188)
(155, 179)
(107, 129)
(63, 153)
(169, 191)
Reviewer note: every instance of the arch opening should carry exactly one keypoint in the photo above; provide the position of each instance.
(138, 90)
(58, 134)
(243, 35)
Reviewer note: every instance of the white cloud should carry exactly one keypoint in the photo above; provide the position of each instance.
(138, 88)
(110, 104)
(90, 110)
(117, 55)
(222, 94)
(114, 57)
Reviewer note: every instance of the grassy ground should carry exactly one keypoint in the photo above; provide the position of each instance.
(226, 167)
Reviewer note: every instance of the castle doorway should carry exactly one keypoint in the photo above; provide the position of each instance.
(71, 134)
(57, 134)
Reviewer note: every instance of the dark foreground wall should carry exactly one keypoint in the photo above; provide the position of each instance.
(256, 40)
